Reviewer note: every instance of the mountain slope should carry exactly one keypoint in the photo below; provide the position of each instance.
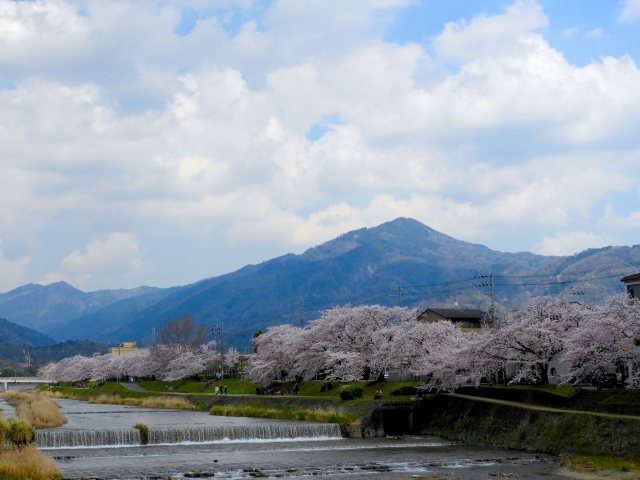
(14, 334)
(363, 266)
(357, 267)
(108, 319)
(46, 307)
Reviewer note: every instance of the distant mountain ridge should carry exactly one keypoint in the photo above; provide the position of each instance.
(46, 307)
(14, 334)
(362, 266)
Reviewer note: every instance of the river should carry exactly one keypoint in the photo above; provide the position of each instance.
(235, 448)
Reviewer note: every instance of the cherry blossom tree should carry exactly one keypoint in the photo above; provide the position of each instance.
(276, 352)
(608, 337)
(534, 336)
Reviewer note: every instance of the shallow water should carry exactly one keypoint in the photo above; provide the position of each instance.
(85, 415)
(339, 459)
(336, 458)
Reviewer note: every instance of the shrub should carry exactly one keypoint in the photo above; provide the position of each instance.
(349, 392)
(27, 463)
(19, 432)
(144, 433)
(40, 411)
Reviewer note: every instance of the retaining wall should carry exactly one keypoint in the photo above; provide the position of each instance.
(501, 426)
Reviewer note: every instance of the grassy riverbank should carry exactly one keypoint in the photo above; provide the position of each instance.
(37, 409)
(323, 415)
(19, 458)
(600, 464)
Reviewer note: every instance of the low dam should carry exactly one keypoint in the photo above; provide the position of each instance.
(100, 441)
(58, 438)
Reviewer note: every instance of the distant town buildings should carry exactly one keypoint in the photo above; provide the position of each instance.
(632, 284)
(124, 348)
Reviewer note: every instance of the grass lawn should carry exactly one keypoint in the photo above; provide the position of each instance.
(235, 387)
(563, 390)
(627, 396)
(593, 463)
(312, 389)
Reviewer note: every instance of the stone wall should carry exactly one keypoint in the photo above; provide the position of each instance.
(494, 425)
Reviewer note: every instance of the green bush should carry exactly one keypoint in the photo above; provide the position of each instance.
(19, 432)
(349, 392)
(144, 433)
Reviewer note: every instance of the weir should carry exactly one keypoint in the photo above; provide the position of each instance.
(89, 438)
(86, 438)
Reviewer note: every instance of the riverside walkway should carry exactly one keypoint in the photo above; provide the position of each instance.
(540, 407)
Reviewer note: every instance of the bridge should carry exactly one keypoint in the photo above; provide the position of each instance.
(6, 381)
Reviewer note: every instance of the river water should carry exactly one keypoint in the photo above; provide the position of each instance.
(262, 448)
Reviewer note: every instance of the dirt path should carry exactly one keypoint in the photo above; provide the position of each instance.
(540, 408)
(134, 387)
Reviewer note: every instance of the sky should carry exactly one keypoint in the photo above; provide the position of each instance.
(159, 143)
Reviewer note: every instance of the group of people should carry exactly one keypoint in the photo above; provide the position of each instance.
(221, 390)
(275, 391)
(378, 394)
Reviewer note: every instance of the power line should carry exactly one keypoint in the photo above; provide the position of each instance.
(576, 272)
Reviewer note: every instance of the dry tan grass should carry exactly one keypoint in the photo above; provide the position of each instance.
(2, 417)
(38, 410)
(150, 402)
(14, 396)
(41, 412)
(27, 463)
(166, 402)
(56, 394)
(106, 399)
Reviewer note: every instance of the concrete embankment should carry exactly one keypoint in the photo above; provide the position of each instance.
(522, 427)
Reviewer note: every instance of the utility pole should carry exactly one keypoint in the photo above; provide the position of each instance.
(301, 312)
(490, 284)
(222, 344)
(493, 303)
(215, 331)
(399, 295)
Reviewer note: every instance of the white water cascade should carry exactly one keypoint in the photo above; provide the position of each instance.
(91, 438)
(86, 438)
(253, 432)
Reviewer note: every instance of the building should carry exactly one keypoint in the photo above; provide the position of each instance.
(125, 348)
(469, 319)
(632, 284)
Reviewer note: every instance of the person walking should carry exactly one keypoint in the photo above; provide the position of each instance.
(216, 390)
(296, 388)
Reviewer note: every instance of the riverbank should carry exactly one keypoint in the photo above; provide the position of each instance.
(528, 428)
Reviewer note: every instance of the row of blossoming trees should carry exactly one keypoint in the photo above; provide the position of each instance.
(181, 354)
(351, 343)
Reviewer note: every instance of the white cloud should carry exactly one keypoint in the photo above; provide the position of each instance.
(570, 32)
(117, 124)
(112, 260)
(574, 242)
(499, 33)
(595, 33)
(12, 272)
(630, 12)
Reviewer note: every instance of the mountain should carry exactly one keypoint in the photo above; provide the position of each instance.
(47, 307)
(51, 353)
(363, 266)
(14, 334)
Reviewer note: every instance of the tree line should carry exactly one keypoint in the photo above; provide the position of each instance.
(181, 353)
(353, 343)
